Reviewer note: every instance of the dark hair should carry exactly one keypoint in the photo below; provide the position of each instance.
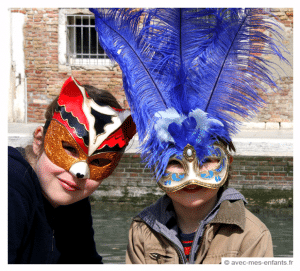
(230, 147)
(102, 96)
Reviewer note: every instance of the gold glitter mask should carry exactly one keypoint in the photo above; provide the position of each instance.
(97, 166)
(193, 174)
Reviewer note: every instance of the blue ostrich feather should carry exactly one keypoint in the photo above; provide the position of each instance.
(190, 74)
(232, 66)
(121, 39)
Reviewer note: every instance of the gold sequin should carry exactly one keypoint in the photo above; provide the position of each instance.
(57, 134)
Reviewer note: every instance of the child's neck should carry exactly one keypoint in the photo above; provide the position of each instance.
(189, 218)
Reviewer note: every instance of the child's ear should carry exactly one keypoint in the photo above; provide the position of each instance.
(230, 160)
(37, 144)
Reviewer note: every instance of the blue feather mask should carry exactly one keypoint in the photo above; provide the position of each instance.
(188, 74)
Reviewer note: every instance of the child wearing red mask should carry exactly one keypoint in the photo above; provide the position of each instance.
(81, 143)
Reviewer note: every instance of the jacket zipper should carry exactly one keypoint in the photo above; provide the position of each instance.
(182, 259)
(192, 256)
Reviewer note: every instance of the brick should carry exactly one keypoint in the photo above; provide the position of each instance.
(121, 175)
(277, 174)
(264, 178)
(277, 168)
(135, 165)
(147, 170)
(279, 178)
(248, 173)
(137, 170)
(263, 163)
(123, 165)
(275, 163)
(278, 183)
(41, 31)
(252, 163)
(247, 182)
(263, 173)
(264, 168)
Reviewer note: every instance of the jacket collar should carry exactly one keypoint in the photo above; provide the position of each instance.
(228, 210)
(231, 212)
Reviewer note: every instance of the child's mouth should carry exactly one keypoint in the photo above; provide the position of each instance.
(192, 188)
(68, 186)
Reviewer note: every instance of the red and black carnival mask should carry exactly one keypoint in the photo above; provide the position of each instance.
(98, 132)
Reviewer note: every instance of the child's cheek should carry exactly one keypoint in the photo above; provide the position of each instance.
(91, 185)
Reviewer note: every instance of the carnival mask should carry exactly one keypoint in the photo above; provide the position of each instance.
(190, 76)
(97, 133)
(192, 172)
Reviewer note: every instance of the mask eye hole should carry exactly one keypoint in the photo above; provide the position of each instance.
(100, 162)
(209, 163)
(175, 167)
(70, 150)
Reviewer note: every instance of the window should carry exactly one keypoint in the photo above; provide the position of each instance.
(83, 47)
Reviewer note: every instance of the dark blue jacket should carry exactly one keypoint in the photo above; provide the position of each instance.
(39, 233)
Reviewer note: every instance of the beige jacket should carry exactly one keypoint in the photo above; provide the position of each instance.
(233, 232)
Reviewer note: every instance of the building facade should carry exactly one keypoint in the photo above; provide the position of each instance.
(48, 45)
(45, 52)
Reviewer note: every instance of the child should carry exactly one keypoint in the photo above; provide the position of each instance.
(189, 76)
(197, 225)
(49, 214)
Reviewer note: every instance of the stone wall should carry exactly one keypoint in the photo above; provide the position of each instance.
(132, 180)
(262, 172)
(45, 76)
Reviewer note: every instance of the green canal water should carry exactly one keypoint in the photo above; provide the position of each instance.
(111, 225)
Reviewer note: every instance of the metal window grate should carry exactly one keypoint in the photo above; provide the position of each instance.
(83, 47)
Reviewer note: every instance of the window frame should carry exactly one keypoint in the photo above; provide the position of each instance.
(65, 57)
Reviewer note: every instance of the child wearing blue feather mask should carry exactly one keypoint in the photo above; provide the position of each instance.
(187, 74)
(199, 220)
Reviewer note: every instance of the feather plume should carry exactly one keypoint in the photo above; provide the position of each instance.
(121, 38)
(188, 72)
(232, 66)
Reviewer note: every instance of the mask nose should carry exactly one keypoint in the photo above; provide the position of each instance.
(80, 170)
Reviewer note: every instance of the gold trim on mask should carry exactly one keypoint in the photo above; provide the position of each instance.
(192, 172)
(57, 134)
(189, 153)
(105, 170)
(190, 182)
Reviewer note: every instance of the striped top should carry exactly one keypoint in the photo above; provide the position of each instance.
(187, 241)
